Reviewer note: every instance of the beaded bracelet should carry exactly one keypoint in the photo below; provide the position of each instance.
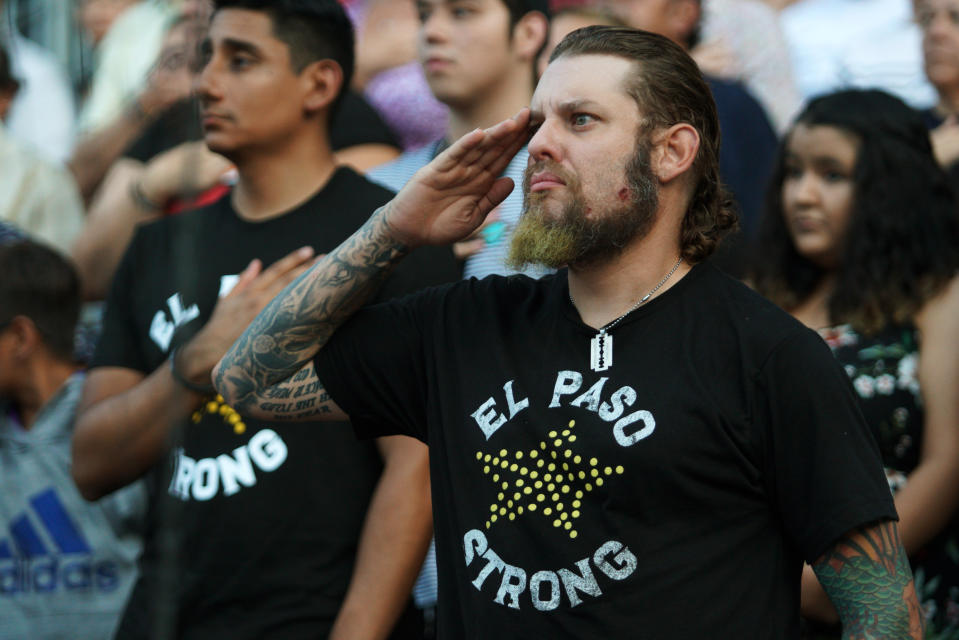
(204, 389)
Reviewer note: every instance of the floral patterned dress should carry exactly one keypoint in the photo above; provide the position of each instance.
(884, 371)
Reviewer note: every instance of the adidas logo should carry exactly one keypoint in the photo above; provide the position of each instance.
(49, 553)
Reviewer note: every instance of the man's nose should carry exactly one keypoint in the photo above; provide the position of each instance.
(544, 143)
(434, 28)
(205, 83)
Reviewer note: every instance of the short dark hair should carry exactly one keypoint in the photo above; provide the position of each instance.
(42, 285)
(519, 8)
(312, 29)
(669, 88)
(900, 242)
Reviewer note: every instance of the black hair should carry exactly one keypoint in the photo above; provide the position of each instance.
(669, 88)
(901, 244)
(312, 29)
(519, 8)
(42, 285)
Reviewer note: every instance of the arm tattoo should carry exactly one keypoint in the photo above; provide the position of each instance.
(298, 322)
(867, 577)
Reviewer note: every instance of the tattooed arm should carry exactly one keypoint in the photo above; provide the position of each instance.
(866, 575)
(444, 202)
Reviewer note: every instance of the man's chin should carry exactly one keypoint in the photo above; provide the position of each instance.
(218, 144)
(537, 242)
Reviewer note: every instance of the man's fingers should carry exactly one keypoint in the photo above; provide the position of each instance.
(485, 144)
(248, 275)
(501, 188)
(468, 248)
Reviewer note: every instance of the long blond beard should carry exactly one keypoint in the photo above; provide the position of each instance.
(538, 240)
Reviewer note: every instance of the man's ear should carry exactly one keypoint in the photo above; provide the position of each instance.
(26, 337)
(529, 35)
(322, 80)
(674, 152)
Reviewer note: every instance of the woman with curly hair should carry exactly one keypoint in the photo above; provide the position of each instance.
(860, 241)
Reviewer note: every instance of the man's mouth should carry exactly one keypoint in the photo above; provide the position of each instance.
(434, 64)
(545, 180)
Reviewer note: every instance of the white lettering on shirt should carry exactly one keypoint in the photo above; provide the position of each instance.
(490, 419)
(545, 588)
(202, 479)
(162, 329)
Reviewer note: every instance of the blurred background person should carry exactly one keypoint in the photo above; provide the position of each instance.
(123, 59)
(66, 565)
(837, 44)
(44, 112)
(165, 81)
(388, 73)
(742, 40)
(939, 23)
(36, 194)
(860, 241)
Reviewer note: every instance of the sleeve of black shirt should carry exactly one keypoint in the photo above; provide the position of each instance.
(823, 468)
(376, 369)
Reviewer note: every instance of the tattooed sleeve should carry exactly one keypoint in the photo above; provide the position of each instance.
(866, 575)
(268, 372)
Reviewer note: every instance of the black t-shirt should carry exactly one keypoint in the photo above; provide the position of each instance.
(672, 496)
(253, 531)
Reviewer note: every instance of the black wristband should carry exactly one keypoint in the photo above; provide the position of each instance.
(204, 389)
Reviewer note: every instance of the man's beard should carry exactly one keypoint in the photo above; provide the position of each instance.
(577, 236)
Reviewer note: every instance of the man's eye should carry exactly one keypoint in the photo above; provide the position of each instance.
(240, 62)
(581, 119)
(460, 12)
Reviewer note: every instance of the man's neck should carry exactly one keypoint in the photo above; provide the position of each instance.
(948, 101)
(606, 290)
(273, 183)
(42, 381)
(503, 102)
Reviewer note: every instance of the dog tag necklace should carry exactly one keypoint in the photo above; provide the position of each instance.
(601, 346)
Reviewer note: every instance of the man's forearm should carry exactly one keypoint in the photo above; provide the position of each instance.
(126, 428)
(97, 150)
(866, 575)
(300, 320)
(394, 541)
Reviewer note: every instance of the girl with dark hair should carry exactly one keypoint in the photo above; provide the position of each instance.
(860, 241)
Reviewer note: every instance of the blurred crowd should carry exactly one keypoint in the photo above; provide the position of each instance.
(840, 146)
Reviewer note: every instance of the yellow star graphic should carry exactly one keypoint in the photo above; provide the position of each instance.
(550, 480)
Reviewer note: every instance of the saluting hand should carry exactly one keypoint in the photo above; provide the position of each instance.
(449, 198)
